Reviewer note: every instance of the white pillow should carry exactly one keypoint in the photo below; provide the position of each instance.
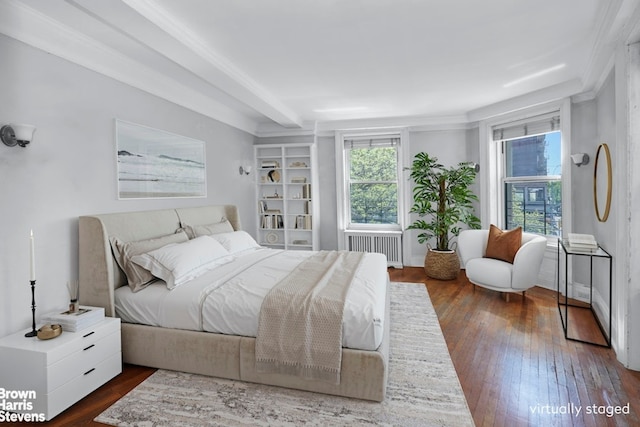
(178, 263)
(137, 277)
(236, 241)
(194, 231)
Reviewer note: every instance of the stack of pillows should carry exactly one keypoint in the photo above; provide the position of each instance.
(180, 257)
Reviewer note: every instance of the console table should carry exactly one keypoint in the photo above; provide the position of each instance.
(598, 253)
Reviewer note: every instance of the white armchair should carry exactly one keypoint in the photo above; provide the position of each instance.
(500, 275)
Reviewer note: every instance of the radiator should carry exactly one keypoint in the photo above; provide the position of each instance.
(388, 243)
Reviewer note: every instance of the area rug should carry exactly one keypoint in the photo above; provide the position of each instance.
(423, 387)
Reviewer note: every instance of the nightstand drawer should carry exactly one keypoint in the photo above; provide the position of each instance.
(94, 352)
(80, 340)
(65, 396)
(60, 371)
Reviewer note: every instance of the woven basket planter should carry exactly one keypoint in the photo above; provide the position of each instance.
(441, 265)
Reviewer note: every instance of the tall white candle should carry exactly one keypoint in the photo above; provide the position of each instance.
(32, 263)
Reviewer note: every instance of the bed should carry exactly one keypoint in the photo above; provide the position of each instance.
(161, 336)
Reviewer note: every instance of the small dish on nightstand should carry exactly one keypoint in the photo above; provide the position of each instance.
(47, 332)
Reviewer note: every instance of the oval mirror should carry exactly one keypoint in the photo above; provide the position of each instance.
(602, 183)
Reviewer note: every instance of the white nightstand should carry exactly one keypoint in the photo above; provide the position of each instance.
(54, 374)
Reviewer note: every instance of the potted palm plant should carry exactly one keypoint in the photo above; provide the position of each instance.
(443, 196)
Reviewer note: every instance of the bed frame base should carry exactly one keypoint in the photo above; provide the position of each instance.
(363, 373)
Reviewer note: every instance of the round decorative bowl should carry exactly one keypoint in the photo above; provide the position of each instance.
(47, 332)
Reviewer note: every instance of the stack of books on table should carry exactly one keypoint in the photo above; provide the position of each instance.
(73, 321)
(582, 242)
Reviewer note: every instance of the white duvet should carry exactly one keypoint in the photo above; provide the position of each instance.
(227, 300)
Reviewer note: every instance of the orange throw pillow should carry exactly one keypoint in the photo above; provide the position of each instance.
(503, 245)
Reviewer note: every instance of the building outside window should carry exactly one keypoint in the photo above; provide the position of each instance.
(532, 174)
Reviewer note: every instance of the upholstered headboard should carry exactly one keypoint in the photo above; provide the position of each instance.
(99, 274)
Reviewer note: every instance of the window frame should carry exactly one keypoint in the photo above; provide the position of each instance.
(348, 182)
(524, 179)
(491, 190)
(343, 206)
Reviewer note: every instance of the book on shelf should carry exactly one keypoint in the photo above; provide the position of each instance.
(306, 191)
(272, 222)
(74, 321)
(303, 222)
(582, 241)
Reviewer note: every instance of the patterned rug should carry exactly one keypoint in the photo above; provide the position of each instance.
(423, 388)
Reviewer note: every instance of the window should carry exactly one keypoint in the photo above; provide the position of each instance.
(371, 182)
(532, 174)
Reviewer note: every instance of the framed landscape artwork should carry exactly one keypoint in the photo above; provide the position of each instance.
(156, 164)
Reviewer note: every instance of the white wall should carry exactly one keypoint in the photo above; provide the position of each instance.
(610, 118)
(70, 169)
(584, 139)
(632, 298)
(328, 202)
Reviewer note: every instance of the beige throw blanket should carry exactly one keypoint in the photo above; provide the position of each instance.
(300, 325)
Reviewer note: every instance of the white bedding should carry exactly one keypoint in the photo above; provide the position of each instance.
(227, 300)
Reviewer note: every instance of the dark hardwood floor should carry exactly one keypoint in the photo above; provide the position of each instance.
(514, 365)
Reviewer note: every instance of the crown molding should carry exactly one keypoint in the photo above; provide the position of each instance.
(528, 100)
(29, 26)
(583, 97)
(271, 130)
(411, 123)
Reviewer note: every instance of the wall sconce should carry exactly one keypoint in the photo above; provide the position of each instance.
(473, 165)
(580, 159)
(13, 134)
(245, 170)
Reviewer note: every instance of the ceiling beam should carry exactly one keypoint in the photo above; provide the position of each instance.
(198, 57)
(29, 26)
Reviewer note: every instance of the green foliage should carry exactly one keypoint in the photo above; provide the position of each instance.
(443, 195)
(374, 187)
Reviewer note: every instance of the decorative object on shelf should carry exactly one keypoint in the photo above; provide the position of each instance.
(48, 332)
(245, 170)
(300, 242)
(444, 195)
(269, 164)
(273, 176)
(298, 180)
(32, 268)
(602, 177)
(16, 134)
(298, 165)
(271, 238)
(580, 159)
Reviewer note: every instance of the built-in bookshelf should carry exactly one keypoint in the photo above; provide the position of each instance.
(285, 191)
